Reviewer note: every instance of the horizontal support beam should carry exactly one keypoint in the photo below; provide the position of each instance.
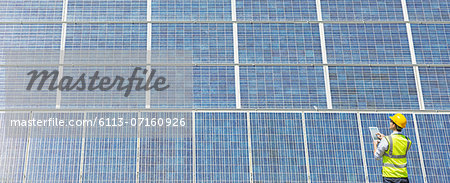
(222, 64)
(232, 110)
(216, 22)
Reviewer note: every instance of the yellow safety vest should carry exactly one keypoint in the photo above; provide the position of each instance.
(394, 159)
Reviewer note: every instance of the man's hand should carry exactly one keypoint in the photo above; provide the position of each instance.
(376, 142)
(380, 136)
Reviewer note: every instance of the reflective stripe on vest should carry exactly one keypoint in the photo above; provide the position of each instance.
(394, 159)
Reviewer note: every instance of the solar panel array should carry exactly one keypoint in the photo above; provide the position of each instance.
(268, 92)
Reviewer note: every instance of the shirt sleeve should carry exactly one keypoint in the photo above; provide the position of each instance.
(382, 147)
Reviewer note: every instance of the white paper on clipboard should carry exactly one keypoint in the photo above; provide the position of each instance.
(373, 132)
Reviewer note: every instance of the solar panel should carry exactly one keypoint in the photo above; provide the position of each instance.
(17, 82)
(200, 10)
(112, 98)
(367, 43)
(279, 43)
(435, 83)
(208, 43)
(434, 137)
(106, 37)
(431, 43)
(214, 87)
(110, 151)
(54, 157)
(280, 10)
(221, 147)
(382, 122)
(346, 10)
(373, 88)
(98, 10)
(334, 147)
(166, 150)
(13, 151)
(31, 44)
(282, 87)
(31, 10)
(428, 10)
(278, 153)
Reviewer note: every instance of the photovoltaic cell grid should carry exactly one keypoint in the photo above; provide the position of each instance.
(435, 87)
(106, 36)
(164, 156)
(112, 98)
(431, 43)
(278, 153)
(280, 10)
(334, 148)
(110, 152)
(17, 95)
(358, 10)
(54, 159)
(209, 43)
(279, 43)
(428, 10)
(434, 130)
(373, 88)
(221, 147)
(214, 87)
(367, 44)
(32, 44)
(375, 166)
(282, 87)
(199, 10)
(12, 153)
(31, 10)
(100, 10)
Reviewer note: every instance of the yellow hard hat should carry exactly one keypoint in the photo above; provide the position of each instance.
(399, 120)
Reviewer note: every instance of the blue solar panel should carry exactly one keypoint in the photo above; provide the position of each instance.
(54, 159)
(334, 147)
(166, 156)
(428, 10)
(279, 43)
(209, 43)
(382, 122)
(99, 10)
(367, 43)
(373, 88)
(110, 152)
(17, 95)
(12, 151)
(434, 130)
(280, 10)
(221, 147)
(34, 43)
(31, 10)
(106, 36)
(202, 10)
(282, 87)
(214, 87)
(112, 98)
(278, 153)
(435, 87)
(345, 10)
(431, 43)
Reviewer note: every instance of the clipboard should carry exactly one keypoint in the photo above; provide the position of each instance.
(373, 132)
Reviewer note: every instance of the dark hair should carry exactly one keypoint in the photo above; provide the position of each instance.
(398, 128)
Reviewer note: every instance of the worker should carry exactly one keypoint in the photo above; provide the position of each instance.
(393, 150)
